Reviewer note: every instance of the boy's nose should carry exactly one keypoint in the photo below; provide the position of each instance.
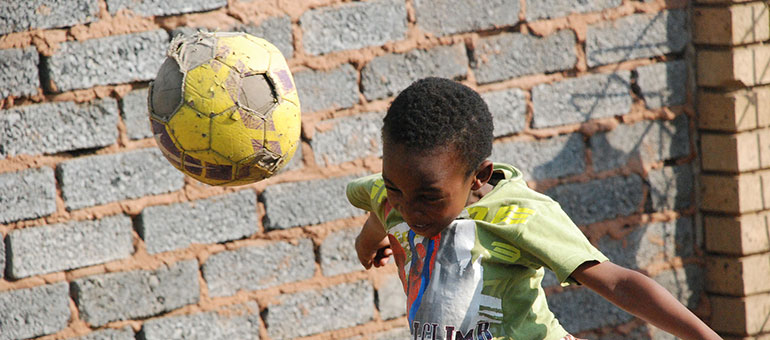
(412, 215)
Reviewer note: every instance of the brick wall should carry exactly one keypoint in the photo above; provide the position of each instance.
(733, 61)
(102, 239)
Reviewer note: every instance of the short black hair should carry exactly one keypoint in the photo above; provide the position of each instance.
(432, 112)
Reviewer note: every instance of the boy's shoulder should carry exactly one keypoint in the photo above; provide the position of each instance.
(366, 192)
(512, 186)
(368, 183)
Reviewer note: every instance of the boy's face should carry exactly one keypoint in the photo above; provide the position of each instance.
(429, 189)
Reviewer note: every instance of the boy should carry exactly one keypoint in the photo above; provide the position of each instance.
(470, 239)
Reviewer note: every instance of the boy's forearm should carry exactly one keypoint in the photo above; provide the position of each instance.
(370, 243)
(645, 298)
(372, 235)
(371, 238)
(638, 294)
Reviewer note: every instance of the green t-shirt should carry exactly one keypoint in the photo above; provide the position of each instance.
(480, 278)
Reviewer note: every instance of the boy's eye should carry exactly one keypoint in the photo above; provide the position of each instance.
(431, 198)
(391, 190)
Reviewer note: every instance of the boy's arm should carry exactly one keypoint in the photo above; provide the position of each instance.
(638, 294)
(372, 244)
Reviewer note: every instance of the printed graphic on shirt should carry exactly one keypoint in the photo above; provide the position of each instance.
(443, 282)
(497, 249)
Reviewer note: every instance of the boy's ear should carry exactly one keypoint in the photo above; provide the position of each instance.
(482, 174)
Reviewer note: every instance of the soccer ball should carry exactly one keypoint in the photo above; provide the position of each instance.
(224, 108)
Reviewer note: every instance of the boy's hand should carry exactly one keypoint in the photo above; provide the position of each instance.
(372, 245)
(383, 256)
(378, 258)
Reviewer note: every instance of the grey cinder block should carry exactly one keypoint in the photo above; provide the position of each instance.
(103, 61)
(391, 299)
(163, 7)
(27, 194)
(348, 138)
(445, 17)
(94, 180)
(135, 114)
(213, 220)
(54, 127)
(637, 36)
(296, 204)
(547, 9)
(32, 312)
(663, 84)
(18, 71)
(508, 109)
(310, 312)
(600, 199)
(510, 55)
(578, 100)
(259, 267)
(136, 294)
(322, 90)
(338, 253)
(43, 14)
(64, 246)
(387, 75)
(236, 322)
(555, 157)
(353, 25)
(646, 142)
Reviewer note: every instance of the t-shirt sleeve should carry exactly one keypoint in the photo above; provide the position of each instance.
(359, 192)
(552, 240)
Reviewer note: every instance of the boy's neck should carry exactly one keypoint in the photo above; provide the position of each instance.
(476, 195)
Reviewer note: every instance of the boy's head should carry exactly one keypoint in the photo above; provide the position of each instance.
(436, 112)
(436, 136)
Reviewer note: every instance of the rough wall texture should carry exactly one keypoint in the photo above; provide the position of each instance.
(103, 239)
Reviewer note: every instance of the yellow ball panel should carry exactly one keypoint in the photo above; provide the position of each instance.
(264, 43)
(210, 88)
(191, 129)
(281, 76)
(283, 134)
(243, 54)
(292, 97)
(277, 61)
(237, 134)
(209, 167)
(289, 154)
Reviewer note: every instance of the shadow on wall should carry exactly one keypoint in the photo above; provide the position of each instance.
(612, 97)
(644, 142)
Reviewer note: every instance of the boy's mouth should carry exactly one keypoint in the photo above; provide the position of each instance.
(420, 227)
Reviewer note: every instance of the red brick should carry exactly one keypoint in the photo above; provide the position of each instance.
(734, 111)
(738, 235)
(732, 25)
(741, 152)
(740, 315)
(721, 1)
(738, 276)
(738, 67)
(732, 194)
(754, 337)
(726, 153)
